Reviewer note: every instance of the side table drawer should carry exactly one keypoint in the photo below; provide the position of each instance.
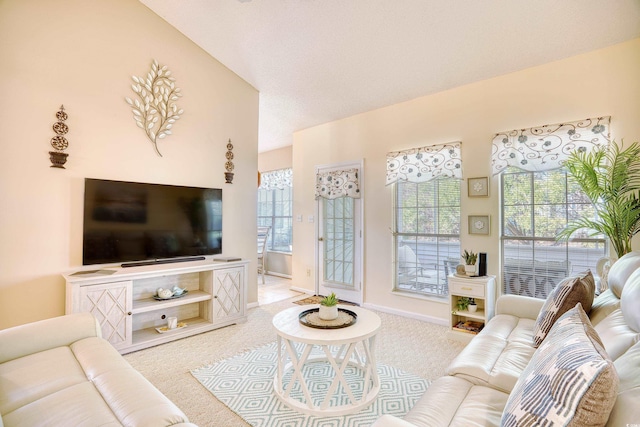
(468, 289)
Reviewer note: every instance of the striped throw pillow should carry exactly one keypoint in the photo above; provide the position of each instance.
(572, 290)
(570, 380)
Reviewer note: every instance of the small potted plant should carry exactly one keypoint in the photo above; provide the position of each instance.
(463, 303)
(470, 259)
(329, 307)
(473, 307)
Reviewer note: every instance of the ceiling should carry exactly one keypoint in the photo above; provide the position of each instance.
(316, 61)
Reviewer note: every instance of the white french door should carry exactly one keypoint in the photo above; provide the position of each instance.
(339, 243)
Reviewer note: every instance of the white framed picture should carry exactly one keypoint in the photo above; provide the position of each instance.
(479, 224)
(478, 187)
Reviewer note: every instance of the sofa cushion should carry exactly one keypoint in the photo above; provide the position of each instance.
(454, 402)
(32, 377)
(621, 270)
(569, 381)
(565, 296)
(496, 356)
(605, 304)
(615, 334)
(626, 411)
(121, 386)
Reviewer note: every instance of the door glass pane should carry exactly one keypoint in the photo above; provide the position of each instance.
(338, 255)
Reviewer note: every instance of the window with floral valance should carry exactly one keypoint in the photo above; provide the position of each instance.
(275, 208)
(276, 179)
(538, 198)
(426, 217)
(424, 163)
(547, 147)
(338, 183)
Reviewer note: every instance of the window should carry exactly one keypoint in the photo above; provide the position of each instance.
(275, 207)
(535, 207)
(427, 235)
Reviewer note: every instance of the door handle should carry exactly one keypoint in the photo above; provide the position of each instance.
(320, 239)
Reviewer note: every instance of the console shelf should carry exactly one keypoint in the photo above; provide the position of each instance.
(150, 304)
(121, 299)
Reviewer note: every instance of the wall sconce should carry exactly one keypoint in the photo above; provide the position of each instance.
(228, 175)
(59, 142)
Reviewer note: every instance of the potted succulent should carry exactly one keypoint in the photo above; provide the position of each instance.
(610, 177)
(470, 259)
(329, 307)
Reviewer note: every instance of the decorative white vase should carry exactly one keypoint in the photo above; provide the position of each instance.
(328, 313)
(472, 308)
(470, 269)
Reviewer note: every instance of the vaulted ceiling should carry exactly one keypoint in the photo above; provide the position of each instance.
(316, 61)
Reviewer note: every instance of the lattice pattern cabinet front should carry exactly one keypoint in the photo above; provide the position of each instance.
(111, 304)
(228, 294)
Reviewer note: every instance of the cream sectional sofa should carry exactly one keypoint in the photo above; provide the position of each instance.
(479, 381)
(60, 372)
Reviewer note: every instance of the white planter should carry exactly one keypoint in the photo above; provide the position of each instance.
(470, 269)
(472, 308)
(328, 313)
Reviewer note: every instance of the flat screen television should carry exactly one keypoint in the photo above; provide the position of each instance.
(126, 222)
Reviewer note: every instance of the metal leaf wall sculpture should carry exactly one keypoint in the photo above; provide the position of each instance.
(154, 109)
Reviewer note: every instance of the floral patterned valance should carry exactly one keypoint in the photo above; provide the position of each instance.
(339, 183)
(425, 163)
(276, 180)
(547, 147)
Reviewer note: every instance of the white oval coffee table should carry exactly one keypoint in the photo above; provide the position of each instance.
(352, 347)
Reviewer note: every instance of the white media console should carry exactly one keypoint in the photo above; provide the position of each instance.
(122, 300)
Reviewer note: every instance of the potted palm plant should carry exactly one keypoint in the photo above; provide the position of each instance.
(610, 177)
(328, 307)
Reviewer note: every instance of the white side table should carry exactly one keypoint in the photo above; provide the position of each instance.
(352, 346)
(482, 289)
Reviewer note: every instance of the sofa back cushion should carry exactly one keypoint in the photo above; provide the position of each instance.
(571, 291)
(621, 270)
(570, 380)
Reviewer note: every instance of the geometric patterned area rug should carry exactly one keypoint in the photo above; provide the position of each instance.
(244, 383)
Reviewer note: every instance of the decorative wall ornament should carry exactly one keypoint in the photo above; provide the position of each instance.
(425, 163)
(155, 110)
(59, 142)
(478, 187)
(339, 183)
(547, 147)
(276, 179)
(228, 165)
(479, 224)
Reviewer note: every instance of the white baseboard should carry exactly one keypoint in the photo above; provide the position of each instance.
(422, 317)
(252, 305)
(273, 273)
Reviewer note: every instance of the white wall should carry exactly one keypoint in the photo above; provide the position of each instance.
(602, 82)
(82, 54)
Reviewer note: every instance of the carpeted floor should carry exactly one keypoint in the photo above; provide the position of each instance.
(413, 346)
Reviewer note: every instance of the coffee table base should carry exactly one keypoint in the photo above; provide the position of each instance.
(293, 356)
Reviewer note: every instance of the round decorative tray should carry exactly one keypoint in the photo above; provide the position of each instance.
(311, 318)
(157, 298)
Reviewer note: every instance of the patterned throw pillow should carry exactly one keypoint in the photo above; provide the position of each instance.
(570, 380)
(572, 290)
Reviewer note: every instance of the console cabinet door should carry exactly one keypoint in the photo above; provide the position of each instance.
(228, 293)
(111, 304)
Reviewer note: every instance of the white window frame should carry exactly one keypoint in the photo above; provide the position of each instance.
(270, 220)
(414, 281)
(533, 275)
